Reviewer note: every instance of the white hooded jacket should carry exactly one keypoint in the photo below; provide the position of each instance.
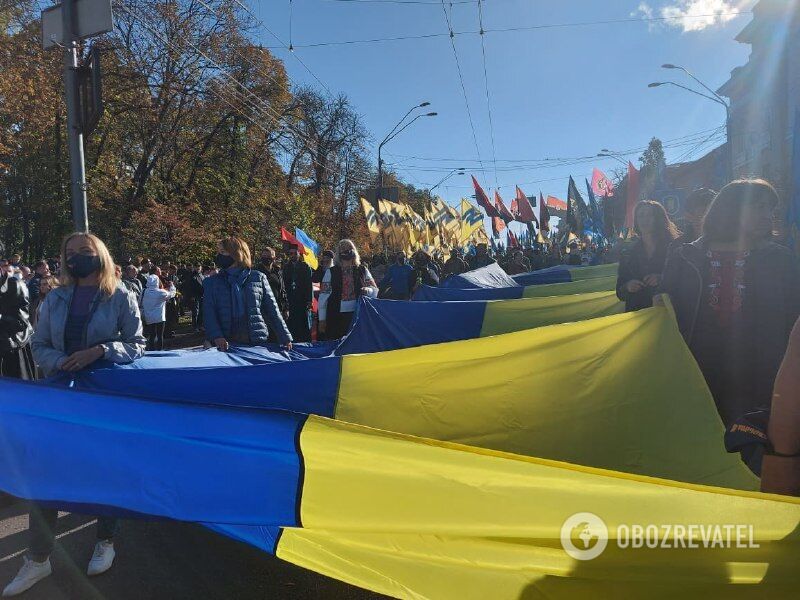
(154, 301)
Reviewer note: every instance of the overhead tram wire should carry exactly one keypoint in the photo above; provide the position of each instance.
(691, 151)
(289, 48)
(424, 36)
(461, 80)
(672, 142)
(255, 103)
(486, 85)
(250, 63)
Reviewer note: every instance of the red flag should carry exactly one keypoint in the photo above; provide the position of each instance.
(556, 204)
(601, 185)
(633, 194)
(513, 242)
(544, 214)
(505, 214)
(290, 239)
(524, 212)
(483, 200)
(498, 225)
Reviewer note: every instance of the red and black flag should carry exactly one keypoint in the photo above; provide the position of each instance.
(483, 200)
(577, 213)
(544, 214)
(522, 209)
(505, 214)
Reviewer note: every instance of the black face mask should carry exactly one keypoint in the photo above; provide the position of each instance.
(223, 261)
(267, 260)
(82, 265)
(347, 255)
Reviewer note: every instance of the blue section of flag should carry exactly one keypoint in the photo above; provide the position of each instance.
(381, 325)
(269, 385)
(304, 239)
(159, 458)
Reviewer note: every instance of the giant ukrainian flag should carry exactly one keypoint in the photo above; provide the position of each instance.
(405, 516)
(580, 286)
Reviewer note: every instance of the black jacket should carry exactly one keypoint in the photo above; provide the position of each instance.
(15, 324)
(635, 264)
(770, 307)
(278, 285)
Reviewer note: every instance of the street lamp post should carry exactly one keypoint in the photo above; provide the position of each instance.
(389, 136)
(459, 171)
(714, 97)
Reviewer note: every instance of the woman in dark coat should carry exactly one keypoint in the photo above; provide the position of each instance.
(736, 295)
(238, 304)
(16, 359)
(642, 259)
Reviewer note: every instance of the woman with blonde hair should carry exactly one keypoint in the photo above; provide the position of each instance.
(341, 287)
(91, 316)
(238, 301)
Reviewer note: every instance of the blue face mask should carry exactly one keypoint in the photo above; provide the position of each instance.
(223, 261)
(82, 265)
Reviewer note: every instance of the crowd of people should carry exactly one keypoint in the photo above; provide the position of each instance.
(734, 289)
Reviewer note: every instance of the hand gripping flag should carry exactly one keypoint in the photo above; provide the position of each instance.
(505, 214)
(601, 185)
(483, 200)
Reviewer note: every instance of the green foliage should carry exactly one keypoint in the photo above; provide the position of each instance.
(183, 155)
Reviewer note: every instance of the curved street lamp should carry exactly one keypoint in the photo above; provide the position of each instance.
(394, 132)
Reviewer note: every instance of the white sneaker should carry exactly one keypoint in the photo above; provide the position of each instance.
(30, 574)
(102, 558)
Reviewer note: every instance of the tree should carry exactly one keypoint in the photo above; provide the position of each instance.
(202, 137)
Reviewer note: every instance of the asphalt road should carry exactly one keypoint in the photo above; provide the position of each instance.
(160, 561)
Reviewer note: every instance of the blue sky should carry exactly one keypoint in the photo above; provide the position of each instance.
(556, 92)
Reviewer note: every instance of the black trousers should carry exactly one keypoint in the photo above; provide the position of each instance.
(338, 325)
(42, 522)
(154, 332)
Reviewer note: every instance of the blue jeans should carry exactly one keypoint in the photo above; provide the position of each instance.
(42, 522)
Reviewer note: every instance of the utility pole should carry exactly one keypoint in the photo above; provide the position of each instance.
(77, 172)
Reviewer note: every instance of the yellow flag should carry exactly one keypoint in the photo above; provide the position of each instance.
(471, 220)
(372, 220)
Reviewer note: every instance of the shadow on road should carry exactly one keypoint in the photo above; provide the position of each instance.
(160, 561)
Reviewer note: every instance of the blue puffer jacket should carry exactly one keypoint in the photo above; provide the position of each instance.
(255, 299)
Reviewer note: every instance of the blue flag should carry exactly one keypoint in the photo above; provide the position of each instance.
(594, 210)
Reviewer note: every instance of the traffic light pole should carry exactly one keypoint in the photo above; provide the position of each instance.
(77, 173)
